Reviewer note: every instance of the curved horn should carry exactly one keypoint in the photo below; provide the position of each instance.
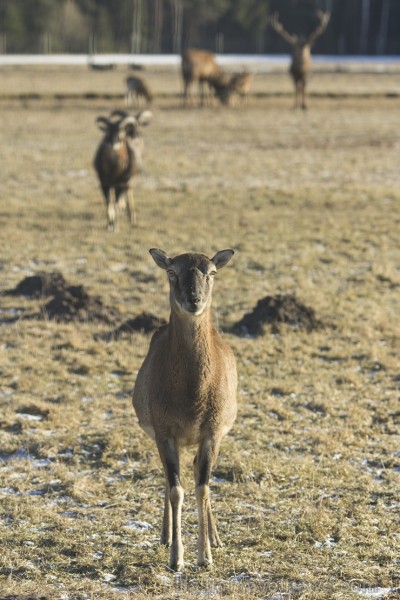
(103, 123)
(119, 112)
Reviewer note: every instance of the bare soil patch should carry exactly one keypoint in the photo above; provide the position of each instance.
(40, 284)
(68, 302)
(146, 322)
(274, 311)
(74, 303)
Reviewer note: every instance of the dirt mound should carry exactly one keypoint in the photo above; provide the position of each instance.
(275, 310)
(144, 323)
(41, 284)
(75, 304)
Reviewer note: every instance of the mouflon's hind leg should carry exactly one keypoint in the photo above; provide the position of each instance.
(130, 206)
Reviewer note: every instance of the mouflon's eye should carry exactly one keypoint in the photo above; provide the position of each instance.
(210, 275)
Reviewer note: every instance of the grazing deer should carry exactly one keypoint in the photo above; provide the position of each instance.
(185, 393)
(135, 86)
(118, 159)
(200, 66)
(301, 54)
(238, 86)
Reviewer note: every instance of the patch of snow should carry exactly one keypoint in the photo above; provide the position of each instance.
(79, 173)
(137, 526)
(41, 463)
(163, 579)
(376, 592)
(70, 514)
(29, 417)
(7, 491)
(119, 267)
(328, 543)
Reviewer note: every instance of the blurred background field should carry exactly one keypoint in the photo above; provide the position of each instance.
(335, 79)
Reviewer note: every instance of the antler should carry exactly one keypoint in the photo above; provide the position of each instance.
(278, 27)
(323, 22)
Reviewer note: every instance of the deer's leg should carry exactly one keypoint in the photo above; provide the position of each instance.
(206, 457)
(303, 95)
(112, 210)
(187, 93)
(296, 95)
(169, 454)
(130, 205)
(201, 92)
(166, 532)
(212, 528)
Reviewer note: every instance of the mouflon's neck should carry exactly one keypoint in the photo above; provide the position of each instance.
(191, 332)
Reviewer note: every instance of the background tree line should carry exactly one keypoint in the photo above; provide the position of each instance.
(167, 26)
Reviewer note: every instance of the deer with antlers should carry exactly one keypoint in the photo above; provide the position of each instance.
(301, 54)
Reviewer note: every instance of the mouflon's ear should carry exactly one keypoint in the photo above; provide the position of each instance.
(144, 117)
(160, 258)
(222, 258)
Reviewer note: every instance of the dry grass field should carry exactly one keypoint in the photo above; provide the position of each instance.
(306, 490)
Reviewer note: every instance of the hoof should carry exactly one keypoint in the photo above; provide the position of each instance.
(166, 537)
(205, 564)
(177, 567)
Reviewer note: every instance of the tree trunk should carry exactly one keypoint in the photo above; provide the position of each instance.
(365, 13)
(158, 22)
(136, 26)
(177, 26)
(381, 44)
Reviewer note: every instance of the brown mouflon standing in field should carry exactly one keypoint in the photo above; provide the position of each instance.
(185, 393)
(200, 66)
(136, 86)
(301, 54)
(118, 159)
